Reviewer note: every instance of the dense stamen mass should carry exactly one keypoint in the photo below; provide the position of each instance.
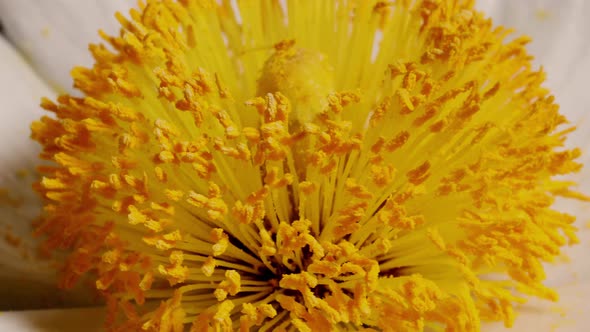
(310, 165)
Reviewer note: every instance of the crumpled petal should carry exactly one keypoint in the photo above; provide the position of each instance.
(26, 280)
(54, 35)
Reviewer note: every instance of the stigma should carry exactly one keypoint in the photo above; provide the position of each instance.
(303, 75)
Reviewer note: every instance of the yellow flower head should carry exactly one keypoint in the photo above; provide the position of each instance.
(307, 165)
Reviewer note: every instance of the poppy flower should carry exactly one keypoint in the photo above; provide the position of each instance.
(308, 166)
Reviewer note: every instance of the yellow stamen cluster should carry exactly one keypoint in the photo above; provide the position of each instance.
(307, 165)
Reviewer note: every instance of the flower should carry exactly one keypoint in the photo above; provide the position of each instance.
(381, 191)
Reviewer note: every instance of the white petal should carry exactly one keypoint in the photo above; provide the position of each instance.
(25, 280)
(54, 35)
